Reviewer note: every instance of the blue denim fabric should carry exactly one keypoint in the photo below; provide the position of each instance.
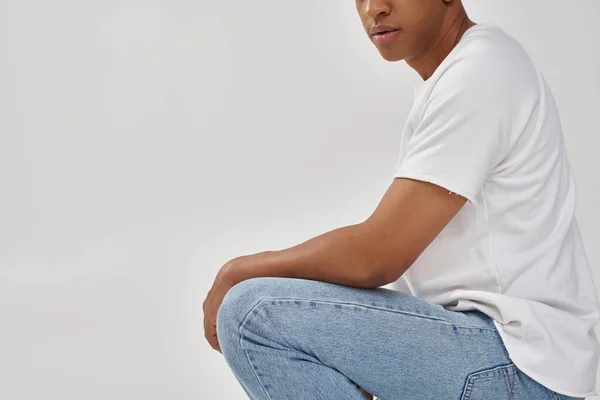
(296, 339)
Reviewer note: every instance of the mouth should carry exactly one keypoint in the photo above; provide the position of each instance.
(385, 36)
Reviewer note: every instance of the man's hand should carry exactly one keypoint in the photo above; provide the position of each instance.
(368, 395)
(211, 305)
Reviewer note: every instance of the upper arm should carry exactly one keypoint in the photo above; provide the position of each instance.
(464, 129)
(409, 216)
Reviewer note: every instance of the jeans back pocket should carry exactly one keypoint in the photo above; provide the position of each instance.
(491, 384)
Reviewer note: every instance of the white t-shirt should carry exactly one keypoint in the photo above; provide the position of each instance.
(485, 125)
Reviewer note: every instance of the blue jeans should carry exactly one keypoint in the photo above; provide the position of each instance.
(299, 339)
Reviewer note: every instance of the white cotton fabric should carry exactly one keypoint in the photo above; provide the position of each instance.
(485, 126)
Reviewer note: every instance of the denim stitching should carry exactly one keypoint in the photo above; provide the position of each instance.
(282, 338)
(472, 378)
(473, 328)
(246, 352)
(468, 388)
(469, 383)
(510, 383)
(383, 309)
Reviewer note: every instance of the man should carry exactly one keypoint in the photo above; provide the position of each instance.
(477, 233)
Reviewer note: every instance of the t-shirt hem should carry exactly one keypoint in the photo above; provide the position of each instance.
(435, 181)
(541, 380)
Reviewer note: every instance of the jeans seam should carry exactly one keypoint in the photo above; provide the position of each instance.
(510, 383)
(472, 378)
(242, 323)
(474, 327)
(382, 309)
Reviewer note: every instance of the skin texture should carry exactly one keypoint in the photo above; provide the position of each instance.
(410, 214)
(429, 29)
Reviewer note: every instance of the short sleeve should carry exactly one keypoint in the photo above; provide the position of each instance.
(462, 130)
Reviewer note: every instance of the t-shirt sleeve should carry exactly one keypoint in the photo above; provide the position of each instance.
(462, 131)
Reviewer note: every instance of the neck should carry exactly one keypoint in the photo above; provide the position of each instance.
(447, 38)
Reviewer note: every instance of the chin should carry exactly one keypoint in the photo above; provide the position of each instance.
(392, 56)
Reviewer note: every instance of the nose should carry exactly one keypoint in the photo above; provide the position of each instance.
(374, 8)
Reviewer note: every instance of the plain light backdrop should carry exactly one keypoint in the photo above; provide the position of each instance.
(143, 144)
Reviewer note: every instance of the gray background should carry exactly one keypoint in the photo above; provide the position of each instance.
(145, 143)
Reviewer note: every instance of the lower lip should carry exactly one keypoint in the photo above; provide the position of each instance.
(385, 37)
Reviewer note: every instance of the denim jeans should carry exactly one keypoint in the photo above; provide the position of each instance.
(299, 339)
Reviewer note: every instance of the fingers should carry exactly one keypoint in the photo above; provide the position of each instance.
(213, 342)
(210, 333)
(216, 346)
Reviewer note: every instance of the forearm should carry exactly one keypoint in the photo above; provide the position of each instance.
(342, 256)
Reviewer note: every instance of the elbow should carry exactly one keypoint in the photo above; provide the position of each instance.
(385, 263)
(385, 274)
(388, 271)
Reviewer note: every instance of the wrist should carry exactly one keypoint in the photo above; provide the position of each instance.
(237, 269)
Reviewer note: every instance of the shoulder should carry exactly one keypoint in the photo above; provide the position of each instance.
(489, 62)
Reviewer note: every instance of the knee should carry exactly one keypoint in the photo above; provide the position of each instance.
(239, 300)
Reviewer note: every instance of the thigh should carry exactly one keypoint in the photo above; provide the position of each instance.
(392, 344)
